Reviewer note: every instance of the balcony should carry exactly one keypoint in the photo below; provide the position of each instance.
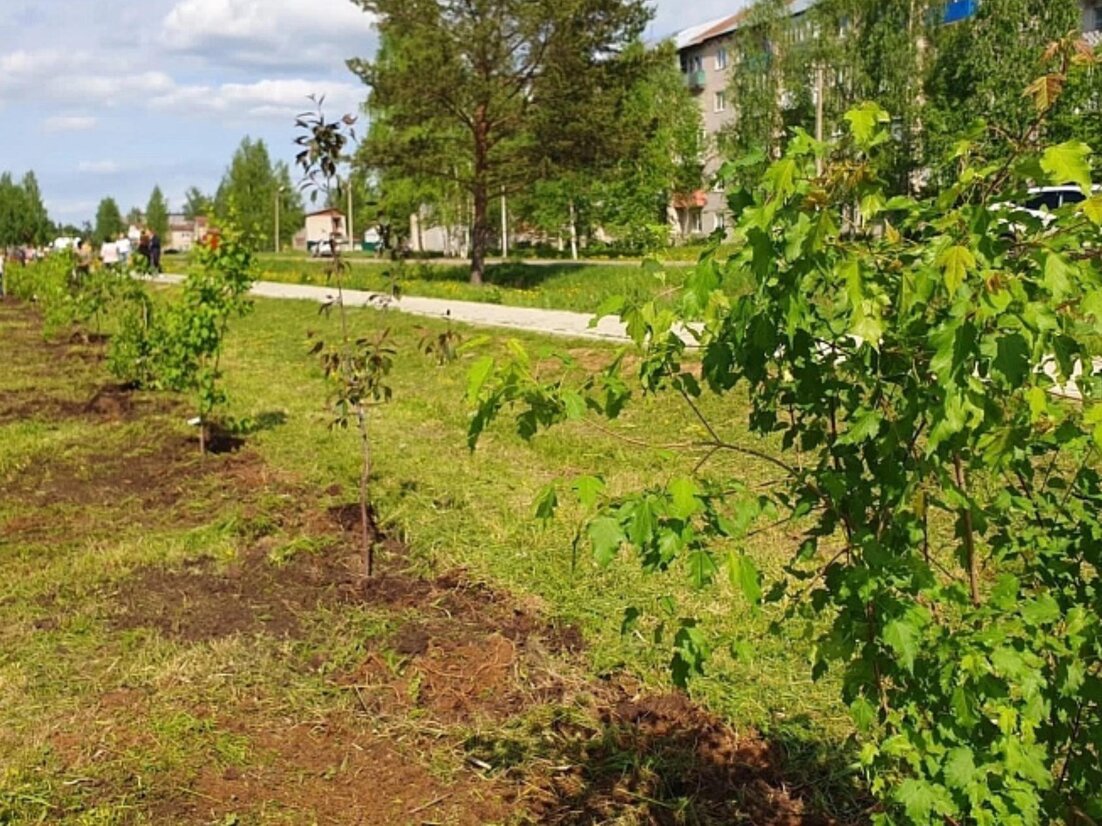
(696, 81)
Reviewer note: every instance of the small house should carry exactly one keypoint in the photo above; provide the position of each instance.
(325, 225)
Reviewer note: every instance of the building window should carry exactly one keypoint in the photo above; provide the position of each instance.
(1093, 18)
(696, 221)
(721, 59)
(721, 221)
(721, 102)
(719, 186)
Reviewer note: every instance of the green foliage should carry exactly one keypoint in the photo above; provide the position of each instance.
(156, 213)
(184, 345)
(109, 223)
(935, 79)
(197, 204)
(485, 96)
(23, 216)
(248, 193)
(946, 496)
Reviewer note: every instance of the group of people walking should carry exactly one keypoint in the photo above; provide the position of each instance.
(120, 251)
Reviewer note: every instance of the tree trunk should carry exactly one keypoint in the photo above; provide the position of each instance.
(573, 232)
(480, 229)
(480, 234)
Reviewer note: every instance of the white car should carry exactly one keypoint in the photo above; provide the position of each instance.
(324, 249)
(1042, 201)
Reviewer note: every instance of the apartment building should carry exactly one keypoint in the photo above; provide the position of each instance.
(706, 53)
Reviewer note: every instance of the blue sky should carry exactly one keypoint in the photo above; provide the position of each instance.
(113, 97)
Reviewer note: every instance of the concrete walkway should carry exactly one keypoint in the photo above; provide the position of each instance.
(527, 319)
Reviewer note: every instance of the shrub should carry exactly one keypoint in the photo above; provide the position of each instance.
(913, 359)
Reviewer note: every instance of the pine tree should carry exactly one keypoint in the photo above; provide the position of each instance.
(109, 221)
(156, 213)
(36, 223)
(461, 87)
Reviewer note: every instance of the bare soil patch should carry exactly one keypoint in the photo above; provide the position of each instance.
(336, 772)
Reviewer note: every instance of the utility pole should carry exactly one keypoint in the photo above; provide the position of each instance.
(504, 226)
(278, 198)
(351, 231)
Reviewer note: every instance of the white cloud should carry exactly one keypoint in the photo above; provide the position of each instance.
(273, 33)
(69, 123)
(99, 167)
(264, 99)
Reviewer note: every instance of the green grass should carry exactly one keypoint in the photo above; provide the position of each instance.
(62, 753)
(475, 509)
(564, 285)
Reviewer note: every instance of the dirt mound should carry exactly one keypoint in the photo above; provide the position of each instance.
(655, 754)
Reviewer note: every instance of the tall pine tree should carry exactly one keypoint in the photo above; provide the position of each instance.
(462, 84)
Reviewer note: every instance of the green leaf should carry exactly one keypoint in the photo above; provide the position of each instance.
(1092, 208)
(921, 800)
(607, 536)
(745, 576)
(956, 262)
(613, 305)
(683, 495)
(1041, 611)
(960, 768)
(1057, 274)
(781, 177)
(702, 569)
(588, 489)
(691, 650)
(1068, 162)
(863, 713)
(1012, 359)
(476, 377)
(903, 636)
(573, 405)
(630, 620)
(547, 501)
(743, 651)
(864, 121)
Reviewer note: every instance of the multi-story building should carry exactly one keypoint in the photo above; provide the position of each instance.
(707, 52)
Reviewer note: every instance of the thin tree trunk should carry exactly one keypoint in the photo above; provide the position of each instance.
(365, 475)
(573, 231)
(969, 535)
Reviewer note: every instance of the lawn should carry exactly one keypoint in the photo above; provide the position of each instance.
(186, 640)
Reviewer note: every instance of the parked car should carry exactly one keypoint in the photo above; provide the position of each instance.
(324, 249)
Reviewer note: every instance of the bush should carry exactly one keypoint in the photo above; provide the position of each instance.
(913, 367)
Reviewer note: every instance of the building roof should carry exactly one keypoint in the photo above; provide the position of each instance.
(720, 26)
(329, 211)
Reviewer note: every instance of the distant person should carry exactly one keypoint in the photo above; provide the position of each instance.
(155, 251)
(123, 248)
(143, 250)
(109, 253)
(84, 259)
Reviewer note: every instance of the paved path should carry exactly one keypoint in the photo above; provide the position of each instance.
(528, 319)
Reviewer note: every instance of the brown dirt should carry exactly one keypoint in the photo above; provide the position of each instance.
(335, 772)
(687, 754)
(463, 657)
